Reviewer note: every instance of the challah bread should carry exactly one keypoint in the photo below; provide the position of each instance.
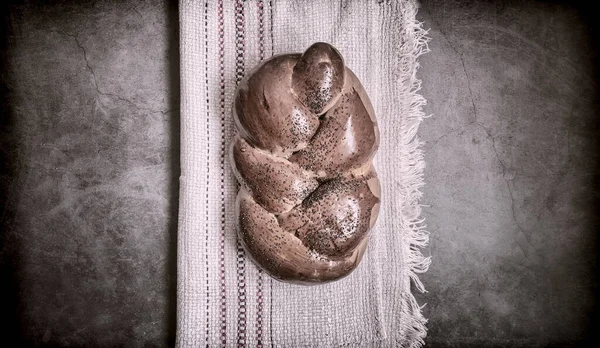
(309, 193)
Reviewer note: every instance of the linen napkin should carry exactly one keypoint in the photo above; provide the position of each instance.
(223, 299)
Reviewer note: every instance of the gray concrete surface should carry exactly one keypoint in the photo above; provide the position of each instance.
(512, 174)
(90, 144)
(89, 167)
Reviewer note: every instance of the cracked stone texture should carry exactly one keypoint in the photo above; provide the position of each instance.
(89, 150)
(512, 173)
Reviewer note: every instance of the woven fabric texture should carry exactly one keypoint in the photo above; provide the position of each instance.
(223, 299)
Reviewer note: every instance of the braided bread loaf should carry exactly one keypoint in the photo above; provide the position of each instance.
(309, 193)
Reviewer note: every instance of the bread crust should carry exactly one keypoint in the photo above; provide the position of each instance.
(309, 194)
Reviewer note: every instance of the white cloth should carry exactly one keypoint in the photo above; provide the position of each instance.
(222, 298)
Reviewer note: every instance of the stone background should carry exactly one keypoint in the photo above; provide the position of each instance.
(89, 167)
(512, 173)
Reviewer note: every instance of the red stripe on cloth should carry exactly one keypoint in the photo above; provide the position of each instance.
(222, 283)
(271, 27)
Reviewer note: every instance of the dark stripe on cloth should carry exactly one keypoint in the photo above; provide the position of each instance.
(240, 49)
(222, 285)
